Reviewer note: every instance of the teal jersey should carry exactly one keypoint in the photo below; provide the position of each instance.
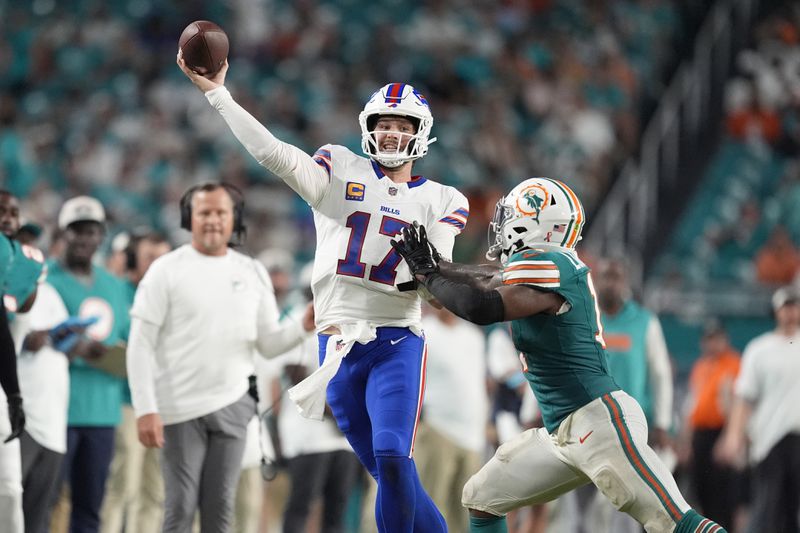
(564, 358)
(625, 334)
(6, 260)
(95, 396)
(29, 270)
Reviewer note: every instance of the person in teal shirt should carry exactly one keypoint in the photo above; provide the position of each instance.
(638, 358)
(96, 395)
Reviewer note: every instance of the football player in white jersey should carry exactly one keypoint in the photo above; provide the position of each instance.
(360, 204)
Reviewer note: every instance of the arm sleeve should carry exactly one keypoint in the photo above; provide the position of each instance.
(479, 306)
(8, 357)
(300, 171)
(140, 362)
(660, 374)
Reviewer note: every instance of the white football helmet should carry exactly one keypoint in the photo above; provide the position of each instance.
(402, 100)
(537, 213)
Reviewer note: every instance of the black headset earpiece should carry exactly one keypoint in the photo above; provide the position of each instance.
(239, 228)
(186, 208)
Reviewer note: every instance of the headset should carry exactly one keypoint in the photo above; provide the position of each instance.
(239, 228)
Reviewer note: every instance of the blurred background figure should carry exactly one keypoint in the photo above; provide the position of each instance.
(134, 496)
(765, 414)
(322, 467)
(718, 487)
(96, 395)
(451, 435)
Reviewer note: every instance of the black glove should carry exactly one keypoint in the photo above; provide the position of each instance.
(416, 250)
(16, 416)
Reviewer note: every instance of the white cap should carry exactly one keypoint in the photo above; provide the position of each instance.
(79, 209)
(785, 295)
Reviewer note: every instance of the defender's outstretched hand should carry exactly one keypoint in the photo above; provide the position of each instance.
(416, 251)
(203, 83)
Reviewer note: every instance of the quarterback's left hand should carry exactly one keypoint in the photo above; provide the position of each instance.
(414, 248)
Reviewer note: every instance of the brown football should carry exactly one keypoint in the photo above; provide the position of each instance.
(204, 46)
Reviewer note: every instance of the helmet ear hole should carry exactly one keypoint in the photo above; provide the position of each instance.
(520, 229)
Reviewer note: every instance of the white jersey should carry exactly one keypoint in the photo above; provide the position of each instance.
(356, 270)
(357, 211)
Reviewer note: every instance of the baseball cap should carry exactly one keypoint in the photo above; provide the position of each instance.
(785, 295)
(79, 209)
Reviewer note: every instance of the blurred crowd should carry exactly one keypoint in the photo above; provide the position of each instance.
(91, 101)
(743, 224)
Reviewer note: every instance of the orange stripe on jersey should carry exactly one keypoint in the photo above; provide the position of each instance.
(530, 280)
(626, 439)
(530, 267)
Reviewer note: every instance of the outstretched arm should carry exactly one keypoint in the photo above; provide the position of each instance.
(479, 276)
(288, 162)
(481, 305)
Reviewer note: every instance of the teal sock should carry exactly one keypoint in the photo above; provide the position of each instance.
(692, 522)
(495, 524)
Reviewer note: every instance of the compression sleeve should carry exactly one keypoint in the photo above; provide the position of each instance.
(485, 276)
(288, 162)
(470, 303)
(8, 357)
(140, 362)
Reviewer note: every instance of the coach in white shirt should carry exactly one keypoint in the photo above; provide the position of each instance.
(199, 317)
(765, 410)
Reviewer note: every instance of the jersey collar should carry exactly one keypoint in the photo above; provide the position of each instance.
(416, 181)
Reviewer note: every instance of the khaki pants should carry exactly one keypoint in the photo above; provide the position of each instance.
(444, 468)
(135, 488)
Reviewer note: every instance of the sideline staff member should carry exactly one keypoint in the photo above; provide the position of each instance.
(199, 316)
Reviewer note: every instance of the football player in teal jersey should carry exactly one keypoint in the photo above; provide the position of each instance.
(29, 268)
(594, 432)
(8, 354)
